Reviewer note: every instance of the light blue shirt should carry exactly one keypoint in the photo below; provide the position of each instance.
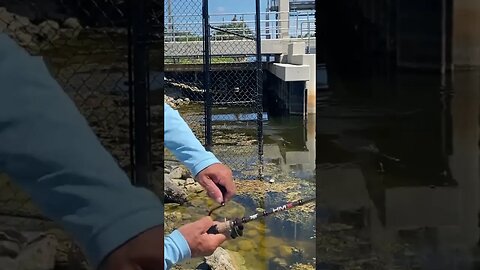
(48, 149)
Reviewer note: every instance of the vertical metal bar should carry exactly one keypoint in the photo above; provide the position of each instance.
(130, 95)
(140, 56)
(206, 73)
(444, 41)
(259, 89)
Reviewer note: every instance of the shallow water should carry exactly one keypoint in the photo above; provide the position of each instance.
(289, 154)
(414, 202)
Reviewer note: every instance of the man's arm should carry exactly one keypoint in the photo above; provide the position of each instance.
(47, 147)
(180, 139)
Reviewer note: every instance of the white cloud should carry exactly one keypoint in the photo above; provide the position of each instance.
(221, 9)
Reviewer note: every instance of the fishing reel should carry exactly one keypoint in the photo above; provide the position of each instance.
(230, 228)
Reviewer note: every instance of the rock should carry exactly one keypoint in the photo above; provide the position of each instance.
(279, 264)
(195, 188)
(301, 266)
(49, 30)
(190, 181)
(222, 260)
(179, 173)
(285, 251)
(246, 245)
(69, 33)
(27, 251)
(23, 39)
(251, 233)
(72, 23)
(39, 254)
(270, 242)
(173, 192)
(24, 21)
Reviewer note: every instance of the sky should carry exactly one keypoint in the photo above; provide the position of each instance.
(235, 6)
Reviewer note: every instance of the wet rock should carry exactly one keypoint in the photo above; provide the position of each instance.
(301, 266)
(270, 242)
(251, 233)
(173, 192)
(285, 251)
(279, 264)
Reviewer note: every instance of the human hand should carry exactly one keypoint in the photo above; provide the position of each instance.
(144, 251)
(201, 243)
(217, 175)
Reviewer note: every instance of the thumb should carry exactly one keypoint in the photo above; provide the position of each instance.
(205, 223)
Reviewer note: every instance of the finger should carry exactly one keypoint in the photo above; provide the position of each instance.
(225, 180)
(215, 239)
(212, 190)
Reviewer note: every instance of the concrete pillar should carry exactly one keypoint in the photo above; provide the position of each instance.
(297, 56)
(283, 24)
(466, 37)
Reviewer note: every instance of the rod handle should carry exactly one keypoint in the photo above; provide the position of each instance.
(219, 228)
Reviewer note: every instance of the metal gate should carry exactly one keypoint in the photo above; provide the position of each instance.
(214, 62)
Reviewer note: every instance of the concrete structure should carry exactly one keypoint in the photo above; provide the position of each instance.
(283, 20)
(296, 66)
(293, 65)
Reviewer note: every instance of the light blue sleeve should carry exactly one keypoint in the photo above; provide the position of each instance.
(48, 149)
(180, 139)
(176, 249)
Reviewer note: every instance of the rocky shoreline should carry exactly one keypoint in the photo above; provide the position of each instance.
(37, 37)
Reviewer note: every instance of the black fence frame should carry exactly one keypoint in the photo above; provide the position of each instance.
(140, 126)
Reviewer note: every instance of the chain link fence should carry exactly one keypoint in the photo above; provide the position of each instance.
(85, 45)
(215, 70)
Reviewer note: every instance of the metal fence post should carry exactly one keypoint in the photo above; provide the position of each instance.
(259, 88)
(140, 72)
(206, 73)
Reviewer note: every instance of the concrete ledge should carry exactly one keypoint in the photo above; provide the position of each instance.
(291, 73)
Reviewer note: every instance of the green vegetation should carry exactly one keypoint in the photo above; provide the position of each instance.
(234, 30)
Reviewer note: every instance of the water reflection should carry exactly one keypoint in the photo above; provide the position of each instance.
(290, 143)
(421, 212)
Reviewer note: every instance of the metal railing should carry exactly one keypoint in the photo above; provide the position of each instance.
(300, 24)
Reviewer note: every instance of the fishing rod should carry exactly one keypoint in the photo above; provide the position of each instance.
(235, 226)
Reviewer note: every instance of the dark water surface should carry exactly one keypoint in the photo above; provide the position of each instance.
(398, 169)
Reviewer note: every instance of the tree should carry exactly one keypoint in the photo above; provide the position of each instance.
(235, 30)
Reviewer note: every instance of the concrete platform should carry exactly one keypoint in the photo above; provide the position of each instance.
(291, 73)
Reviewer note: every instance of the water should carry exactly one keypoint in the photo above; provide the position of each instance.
(289, 154)
(417, 210)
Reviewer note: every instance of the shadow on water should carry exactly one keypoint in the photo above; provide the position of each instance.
(398, 168)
